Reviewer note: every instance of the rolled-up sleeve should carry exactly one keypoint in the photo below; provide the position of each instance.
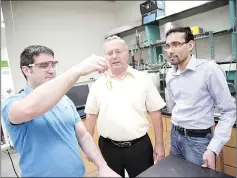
(218, 89)
(154, 101)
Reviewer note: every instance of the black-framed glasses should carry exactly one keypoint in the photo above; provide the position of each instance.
(173, 45)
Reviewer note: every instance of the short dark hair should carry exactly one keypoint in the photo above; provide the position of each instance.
(186, 30)
(28, 54)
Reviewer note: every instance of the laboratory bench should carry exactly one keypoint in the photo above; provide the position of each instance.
(226, 161)
(216, 116)
(172, 166)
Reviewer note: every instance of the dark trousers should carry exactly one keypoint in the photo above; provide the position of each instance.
(135, 159)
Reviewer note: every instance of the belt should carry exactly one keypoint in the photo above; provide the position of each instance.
(192, 132)
(124, 144)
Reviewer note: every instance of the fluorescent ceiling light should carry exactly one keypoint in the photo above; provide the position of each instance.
(2, 20)
(2, 25)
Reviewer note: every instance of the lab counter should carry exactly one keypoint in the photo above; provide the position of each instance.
(226, 160)
(216, 116)
(172, 166)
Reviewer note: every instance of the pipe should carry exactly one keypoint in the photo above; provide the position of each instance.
(232, 18)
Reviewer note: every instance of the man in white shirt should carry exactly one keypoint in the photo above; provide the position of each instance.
(195, 86)
(120, 102)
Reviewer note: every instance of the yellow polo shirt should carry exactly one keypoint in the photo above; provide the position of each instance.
(122, 105)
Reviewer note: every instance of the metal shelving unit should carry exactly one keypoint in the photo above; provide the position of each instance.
(178, 16)
(210, 35)
(196, 37)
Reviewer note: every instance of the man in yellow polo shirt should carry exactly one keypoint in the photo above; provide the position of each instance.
(120, 102)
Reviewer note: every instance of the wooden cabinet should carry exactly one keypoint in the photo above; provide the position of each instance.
(166, 133)
(230, 170)
(229, 156)
(90, 167)
(164, 125)
(218, 164)
(232, 141)
(227, 163)
(168, 124)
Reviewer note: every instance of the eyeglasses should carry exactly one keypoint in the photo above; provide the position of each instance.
(173, 45)
(44, 65)
(117, 52)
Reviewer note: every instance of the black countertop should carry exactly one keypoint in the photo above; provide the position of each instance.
(216, 116)
(172, 166)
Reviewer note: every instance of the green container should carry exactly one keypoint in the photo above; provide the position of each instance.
(4, 64)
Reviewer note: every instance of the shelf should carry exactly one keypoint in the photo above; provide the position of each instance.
(217, 33)
(132, 31)
(177, 16)
(229, 66)
(190, 12)
(128, 32)
(196, 37)
(229, 62)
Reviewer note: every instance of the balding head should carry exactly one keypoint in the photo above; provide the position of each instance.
(116, 53)
(114, 37)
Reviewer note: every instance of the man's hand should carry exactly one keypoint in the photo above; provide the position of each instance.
(106, 171)
(159, 152)
(209, 159)
(92, 64)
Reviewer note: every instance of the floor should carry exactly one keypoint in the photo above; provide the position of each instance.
(6, 165)
(8, 171)
(7, 168)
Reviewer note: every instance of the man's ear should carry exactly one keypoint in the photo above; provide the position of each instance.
(26, 70)
(191, 45)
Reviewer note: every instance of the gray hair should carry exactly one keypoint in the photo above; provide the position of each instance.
(114, 37)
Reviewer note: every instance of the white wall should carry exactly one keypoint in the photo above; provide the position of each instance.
(172, 7)
(127, 12)
(6, 77)
(74, 30)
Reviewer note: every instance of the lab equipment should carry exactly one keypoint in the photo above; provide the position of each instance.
(149, 6)
(155, 77)
(152, 10)
(197, 30)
